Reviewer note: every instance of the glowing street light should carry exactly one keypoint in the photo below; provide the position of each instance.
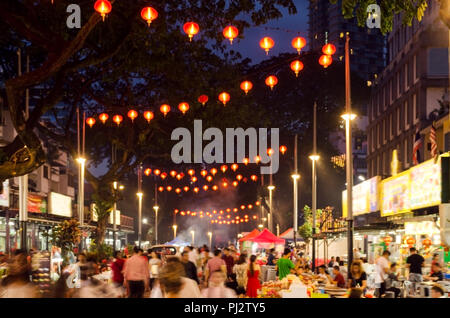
(210, 240)
(156, 208)
(174, 231)
(193, 237)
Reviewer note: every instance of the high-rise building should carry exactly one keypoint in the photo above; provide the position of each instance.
(326, 23)
(412, 87)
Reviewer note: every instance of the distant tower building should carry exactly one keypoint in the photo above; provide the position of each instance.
(326, 22)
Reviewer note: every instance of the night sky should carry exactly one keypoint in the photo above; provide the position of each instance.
(297, 23)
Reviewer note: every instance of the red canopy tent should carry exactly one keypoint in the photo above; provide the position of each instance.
(266, 237)
(249, 236)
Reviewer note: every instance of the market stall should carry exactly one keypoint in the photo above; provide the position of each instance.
(245, 245)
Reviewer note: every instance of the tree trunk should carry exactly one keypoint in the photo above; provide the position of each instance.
(101, 229)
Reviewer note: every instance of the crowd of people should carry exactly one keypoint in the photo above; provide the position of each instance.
(200, 273)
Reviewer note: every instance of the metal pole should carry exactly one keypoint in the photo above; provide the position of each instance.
(295, 192)
(23, 180)
(349, 154)
(140, 194)
(114, 224)
(269, 217)
(156, 226)
(314, 190)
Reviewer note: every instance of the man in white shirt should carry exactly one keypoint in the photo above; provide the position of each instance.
(382, 271)
(193, 256)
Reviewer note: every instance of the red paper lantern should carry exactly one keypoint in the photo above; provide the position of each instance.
(205, 188)
(157, 172)
(213, 171)
(183, 107)
(132, 114)
(234, 166)
(179, 176)
(103, 7)
(173, 173)
(224, 98)
(165, 109)
(161, 189)
(103, 117)
(148, 171)
(297, 67)
(267, 43)
(186, 189)
(203, 99)
(209, 178)
(257, 159)
(283, 149)
(235, 184)
(203, 173)
(196, 190)
(169, 188)
(224, 168)
(329, 49)
(148, 115)
(245, 161)
(271, 81)
(254, 178)
(230, 33)
(90, 121)
(427, 242)
(239, 177)
(191, 29)
(194, 179)
(191, 172)
(246, 86)
(163, 175)
(298, 43)
(117, 119)
(325, 60)
(270, 152)
(149, 14)
(410, 241)
(215, 188)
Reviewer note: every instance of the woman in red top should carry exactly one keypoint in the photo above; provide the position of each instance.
(253, 284)
(116, 268)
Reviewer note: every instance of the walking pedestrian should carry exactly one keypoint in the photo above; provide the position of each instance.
(136, 274)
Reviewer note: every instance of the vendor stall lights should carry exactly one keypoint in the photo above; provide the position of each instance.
(103, 7)
(149, 14)
(191, 29)
(230, 33)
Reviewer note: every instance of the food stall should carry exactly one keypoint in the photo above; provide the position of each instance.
(245, 245)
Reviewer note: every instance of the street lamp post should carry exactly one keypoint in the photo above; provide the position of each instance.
(270, 216)
(114, 215)
(295, 178)
(82, 163)
(156, 208)
(210, 240)
(140, 195)
(349, 116)
(174, 231)
(193, 237)
(314, 159)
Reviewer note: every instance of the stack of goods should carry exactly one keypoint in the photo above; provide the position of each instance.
(271, 290)
(40, 271)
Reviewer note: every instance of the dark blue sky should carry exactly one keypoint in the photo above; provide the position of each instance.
(297, 22)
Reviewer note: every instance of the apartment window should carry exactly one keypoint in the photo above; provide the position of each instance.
(46, 172)
(416, 69)
(416, 107)
(393, 91)
(406, 74)
(405, 151)
(378, 136)
(392, 125)
(386, 129)
(406, 115)
(398, 120)
(384, 170)
(399, 81)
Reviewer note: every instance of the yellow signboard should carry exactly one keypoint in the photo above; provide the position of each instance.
(364, 196)
(395, 194)
(426, 184)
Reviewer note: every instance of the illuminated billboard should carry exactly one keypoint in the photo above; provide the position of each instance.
(60, 204)
(426, 184)
(4, 196)
(364, 197)
(395, 194)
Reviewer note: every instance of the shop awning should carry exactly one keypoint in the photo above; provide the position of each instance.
(249, 236)
(267, 237)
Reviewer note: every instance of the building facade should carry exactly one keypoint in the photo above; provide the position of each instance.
(326, 23)
(405, 96)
